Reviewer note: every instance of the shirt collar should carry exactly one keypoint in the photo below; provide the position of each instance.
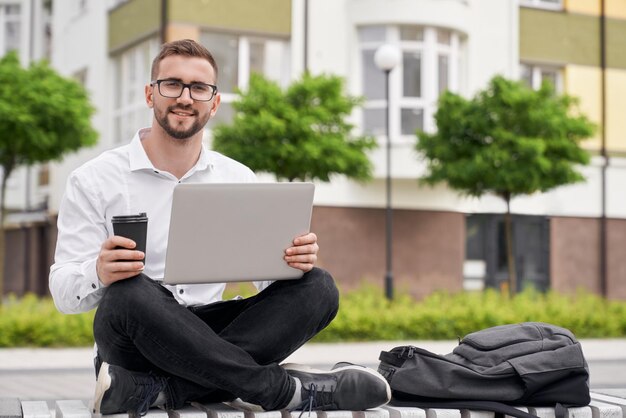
(138, 159)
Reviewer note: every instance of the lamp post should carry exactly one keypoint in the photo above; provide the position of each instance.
(386, 58)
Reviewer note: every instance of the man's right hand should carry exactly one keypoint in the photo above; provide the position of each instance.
(109, 267)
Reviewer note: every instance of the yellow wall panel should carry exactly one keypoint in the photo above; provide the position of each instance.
(615, 110)
(584, 83)
(588, 7)
(177, 31)
(615, 9)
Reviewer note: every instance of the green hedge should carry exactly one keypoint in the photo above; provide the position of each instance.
(35, 322)
(364, 315)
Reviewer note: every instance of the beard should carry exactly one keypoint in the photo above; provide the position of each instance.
(178, 132)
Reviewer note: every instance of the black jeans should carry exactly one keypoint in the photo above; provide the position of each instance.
(219, 351)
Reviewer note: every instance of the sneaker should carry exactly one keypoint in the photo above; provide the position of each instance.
(346, 387)
(119, 391)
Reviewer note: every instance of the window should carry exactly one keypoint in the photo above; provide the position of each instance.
(534, 75)
(10, 27)
(429, 66)
(486, 251)
(132, 72)
(238, 56)
(543, 4)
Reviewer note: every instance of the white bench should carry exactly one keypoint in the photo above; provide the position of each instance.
(608, 404)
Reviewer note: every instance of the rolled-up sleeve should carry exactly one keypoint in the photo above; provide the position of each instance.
(74, 282)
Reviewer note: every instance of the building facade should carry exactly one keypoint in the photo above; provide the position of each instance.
(441, 240)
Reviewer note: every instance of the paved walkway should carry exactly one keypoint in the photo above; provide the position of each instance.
(51, 374)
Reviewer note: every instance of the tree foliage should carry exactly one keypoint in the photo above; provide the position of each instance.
(508, 140)
(43, 116)
(298, 133)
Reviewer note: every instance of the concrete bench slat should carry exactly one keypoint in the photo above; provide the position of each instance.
(334, 414)
(579, 412)
(542, 412)
(610, 399)
(35, 409)
(600, 409)
(404, 412)
(72, 409)
(443, 413)
(469, 413)
(375, 413)
(10, 408)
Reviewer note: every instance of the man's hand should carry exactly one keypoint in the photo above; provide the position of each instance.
(108, 266)
(303, 254)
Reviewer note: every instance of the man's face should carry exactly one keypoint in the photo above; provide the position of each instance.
(182, 117)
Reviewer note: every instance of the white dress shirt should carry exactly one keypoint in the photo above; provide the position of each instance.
(123, 181)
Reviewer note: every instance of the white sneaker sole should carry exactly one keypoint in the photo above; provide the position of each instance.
(308, 369)
(102, 385)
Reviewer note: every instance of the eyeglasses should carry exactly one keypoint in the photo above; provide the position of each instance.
(173, 89)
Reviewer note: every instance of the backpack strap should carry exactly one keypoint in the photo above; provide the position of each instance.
(497, 407)
(560, 410)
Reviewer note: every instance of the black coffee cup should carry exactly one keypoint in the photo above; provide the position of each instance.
(134, 227)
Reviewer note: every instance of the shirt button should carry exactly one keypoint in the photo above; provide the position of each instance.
(181, 291)
(93, 285)
(78, 297)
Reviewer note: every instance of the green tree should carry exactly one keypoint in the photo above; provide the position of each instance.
(508, 140)
(299, 133)
(42, 117)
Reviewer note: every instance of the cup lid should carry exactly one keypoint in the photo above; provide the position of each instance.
(130, 218)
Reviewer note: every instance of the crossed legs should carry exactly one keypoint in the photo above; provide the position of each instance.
(219, 351)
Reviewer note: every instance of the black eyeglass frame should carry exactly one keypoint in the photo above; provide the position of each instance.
(185, 85)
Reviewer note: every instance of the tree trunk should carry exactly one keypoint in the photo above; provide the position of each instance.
(510, 257)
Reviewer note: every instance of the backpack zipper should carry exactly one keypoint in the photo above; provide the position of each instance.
(409, 350)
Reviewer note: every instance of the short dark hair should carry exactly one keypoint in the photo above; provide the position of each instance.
(184, 47)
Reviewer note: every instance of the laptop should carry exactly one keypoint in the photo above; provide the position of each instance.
(232, 232)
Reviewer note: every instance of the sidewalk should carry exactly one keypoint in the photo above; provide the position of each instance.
(47, 374)
(312, 353)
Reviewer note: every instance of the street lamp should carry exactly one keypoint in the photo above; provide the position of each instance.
(386, 58)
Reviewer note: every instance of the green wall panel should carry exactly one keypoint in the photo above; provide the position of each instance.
(133, 21)
(266, 16)
(559, 37)
(569, 38)
(616, 43)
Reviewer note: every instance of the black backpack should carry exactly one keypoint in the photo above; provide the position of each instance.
(530, 364)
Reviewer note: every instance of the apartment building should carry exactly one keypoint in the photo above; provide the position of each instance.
(440, 240)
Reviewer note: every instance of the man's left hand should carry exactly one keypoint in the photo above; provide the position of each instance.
(303, 254)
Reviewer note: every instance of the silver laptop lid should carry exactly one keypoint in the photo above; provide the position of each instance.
(227, 232)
